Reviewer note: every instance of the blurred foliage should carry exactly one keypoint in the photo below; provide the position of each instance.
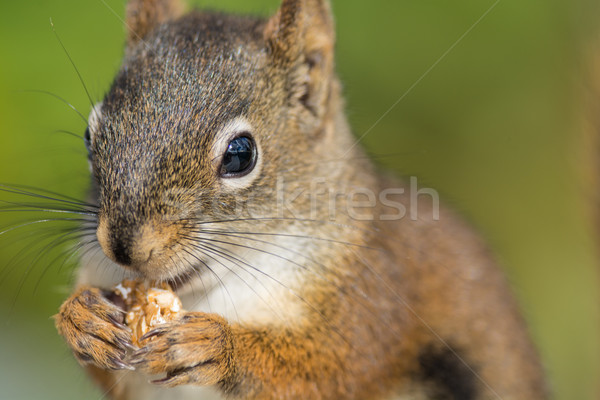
(486, 110)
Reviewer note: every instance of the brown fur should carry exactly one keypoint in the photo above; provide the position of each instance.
(405, 306)
(143, 15)
(92, 325)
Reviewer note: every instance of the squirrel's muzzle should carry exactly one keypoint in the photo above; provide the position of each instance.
(139, 248)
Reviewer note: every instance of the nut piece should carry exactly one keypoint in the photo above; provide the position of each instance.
(147, 307)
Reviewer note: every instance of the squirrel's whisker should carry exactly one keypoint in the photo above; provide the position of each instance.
(252, 248)
(220, 281)
(64, 238)
(192, 272)
(223, 253)
(39, 221)
(71, 106)
(212, 252)
(41, 236)
(313, 271)
(73, 134)
(62, 255)
(45, 210)
(45, 194)
(228, 255)
(92, 102)
(290, 290)
(226, 232)
(201, 221)
(77, 248)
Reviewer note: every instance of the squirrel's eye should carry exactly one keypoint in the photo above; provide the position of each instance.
(239, 158)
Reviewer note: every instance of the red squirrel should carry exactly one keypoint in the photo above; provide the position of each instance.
(221, 162)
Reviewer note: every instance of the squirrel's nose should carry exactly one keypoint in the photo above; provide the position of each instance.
(131, 248)
(122, 252)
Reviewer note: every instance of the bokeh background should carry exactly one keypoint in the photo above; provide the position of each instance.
(489, 100)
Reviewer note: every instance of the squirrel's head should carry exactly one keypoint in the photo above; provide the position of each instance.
(207, 111)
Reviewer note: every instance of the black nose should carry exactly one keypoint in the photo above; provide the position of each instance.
(132, 246)
(128, 245)
(121, 251)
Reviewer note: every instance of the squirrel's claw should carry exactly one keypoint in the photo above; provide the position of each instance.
(182, 377)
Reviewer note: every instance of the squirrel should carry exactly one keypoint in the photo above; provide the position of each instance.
(222, 163)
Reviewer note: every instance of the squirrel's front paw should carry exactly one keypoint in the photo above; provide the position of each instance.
(196, 349)
(93, 328)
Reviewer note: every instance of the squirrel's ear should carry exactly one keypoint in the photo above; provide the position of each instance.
(144, 15)
(302, 31)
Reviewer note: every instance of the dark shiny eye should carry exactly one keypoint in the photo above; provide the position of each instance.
(239, 158)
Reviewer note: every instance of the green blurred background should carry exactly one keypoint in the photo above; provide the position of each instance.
(495, 126)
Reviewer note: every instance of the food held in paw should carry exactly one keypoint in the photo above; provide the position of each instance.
(147, 307)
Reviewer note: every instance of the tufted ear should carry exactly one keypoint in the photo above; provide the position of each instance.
(144, 15)
(302, 33)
